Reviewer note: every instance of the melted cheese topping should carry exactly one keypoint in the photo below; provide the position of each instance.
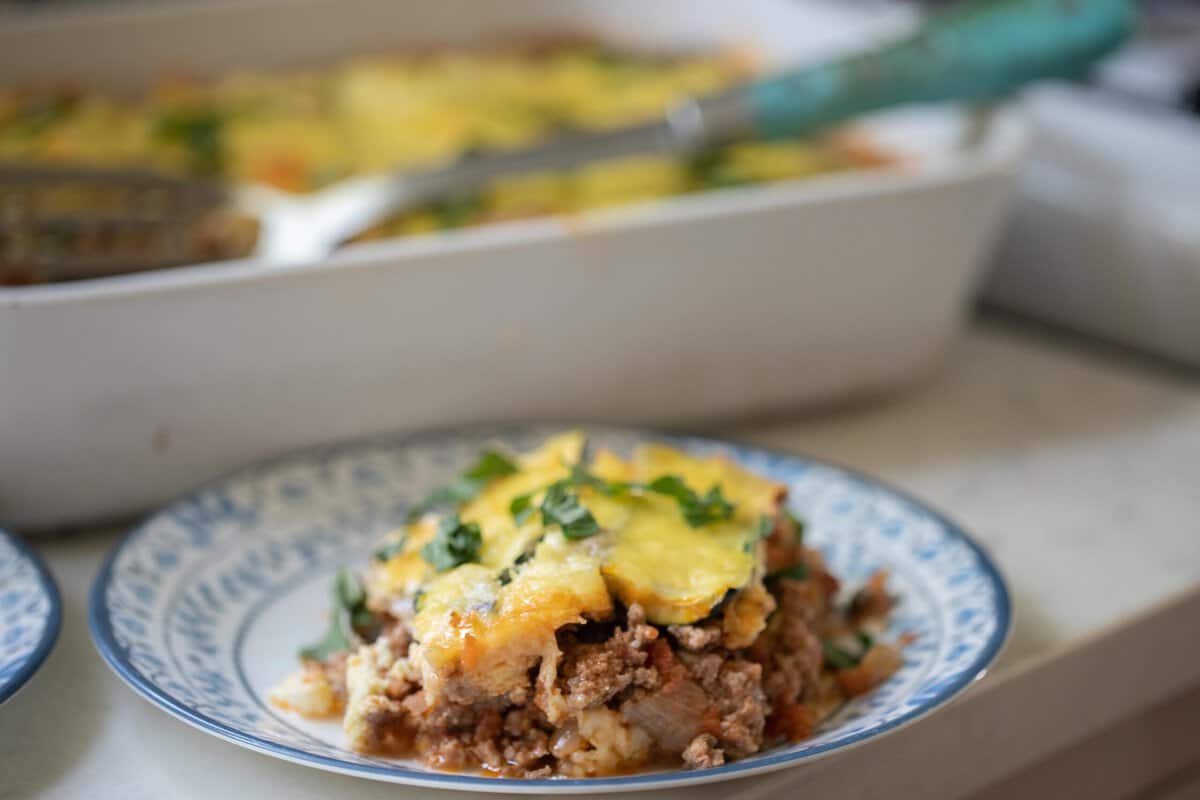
(494, 619)
(679, 573)
(299, 131)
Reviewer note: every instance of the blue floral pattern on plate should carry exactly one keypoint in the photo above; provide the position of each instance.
(30, 614)
(179, 603)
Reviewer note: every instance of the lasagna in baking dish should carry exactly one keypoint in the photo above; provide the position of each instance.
(557, 614)
(302, 130)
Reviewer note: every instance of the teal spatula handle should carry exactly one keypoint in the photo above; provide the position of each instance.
(979, 50)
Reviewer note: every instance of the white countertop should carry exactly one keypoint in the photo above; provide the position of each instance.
(1077, 469)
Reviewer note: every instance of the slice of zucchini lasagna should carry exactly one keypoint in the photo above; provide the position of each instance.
(547, 615)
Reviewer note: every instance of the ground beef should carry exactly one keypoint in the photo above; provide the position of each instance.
(703, 752)
(694, 698)
(510, 743)
(743, 707)
(705, 670)
(736, 689)
(445, 752)
(629, 665)
(391, 729)
(529, 750)
(511, 736)
(593, 673)
(396, 634)
(803, 600)
(696, 637)
(790, 649)
(872, 601)
(452, 717)
(731, 707)
(794, 669)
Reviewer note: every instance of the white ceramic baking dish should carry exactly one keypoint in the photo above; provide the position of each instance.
(116, 394)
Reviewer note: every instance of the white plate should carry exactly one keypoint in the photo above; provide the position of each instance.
(30, 614)
(202, 608)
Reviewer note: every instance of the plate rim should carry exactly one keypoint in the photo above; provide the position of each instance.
(33, 662)
(104, 640)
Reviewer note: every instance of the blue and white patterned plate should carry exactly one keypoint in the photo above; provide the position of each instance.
(30, 614)
(203, 607)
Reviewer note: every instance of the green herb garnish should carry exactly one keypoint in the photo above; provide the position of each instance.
(349, 615)
(796, 572)
(710, 169)
(766, 524)
(798, 524)
(457, 211)
(455, 543)
(390, 550)
(836, 657)
(521, 508)
(561, 507)
(490, 465)
(697, 510)
(866, 640)
(199, 132)
(467, 486)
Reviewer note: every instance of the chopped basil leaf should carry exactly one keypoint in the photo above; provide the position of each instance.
(346, 589)
(521, 508)
(390, 550)
(455, 543)
(697, 510)
(704, 162)
(490, 465)
(561, 507)
(866, 640)
(581, 477)
(836, 657)
(338, 638)
(349, 614)
(527, 554)
(672, 486)
(199, 132)
(766, 524)
(713, 508)
(709, 169)
(362, 619)
(455, 212)
(508, 573)
(798, 524)
(796, 572)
